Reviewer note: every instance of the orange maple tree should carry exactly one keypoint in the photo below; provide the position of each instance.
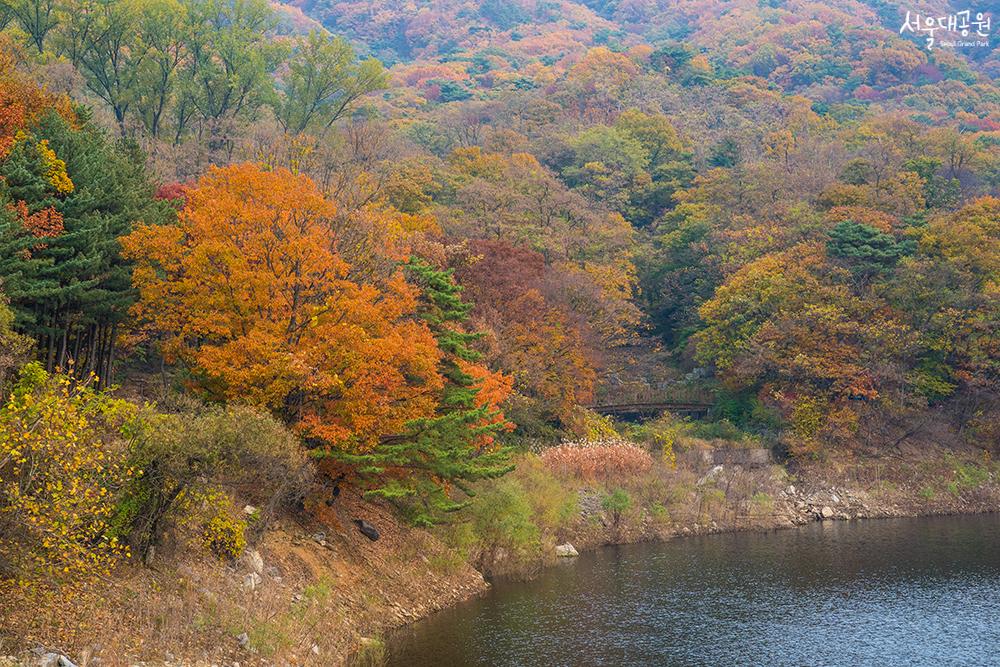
(250, 291)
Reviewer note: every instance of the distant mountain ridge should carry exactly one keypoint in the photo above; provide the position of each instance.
(830, 52)
(405, 30)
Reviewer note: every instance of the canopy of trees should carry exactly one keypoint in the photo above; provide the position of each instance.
(537, 205)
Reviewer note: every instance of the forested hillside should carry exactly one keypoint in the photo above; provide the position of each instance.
(396, 245)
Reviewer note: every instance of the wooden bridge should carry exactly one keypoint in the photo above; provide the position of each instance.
(644, 404)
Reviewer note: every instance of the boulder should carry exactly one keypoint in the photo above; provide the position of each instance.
(367, 529)
(790, 490)
(566, 551)
(826, 512)
(243, 639)
(50, 659)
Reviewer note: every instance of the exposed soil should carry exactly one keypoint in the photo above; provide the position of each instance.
(326, 591)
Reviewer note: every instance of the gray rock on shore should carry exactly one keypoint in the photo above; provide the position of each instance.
(566, 551)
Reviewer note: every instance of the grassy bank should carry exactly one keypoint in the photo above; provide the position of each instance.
(324, 594)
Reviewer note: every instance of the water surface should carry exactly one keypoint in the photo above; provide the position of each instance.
(889, 592)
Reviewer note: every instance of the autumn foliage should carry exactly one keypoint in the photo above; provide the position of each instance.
(249, 290)
(63, 467)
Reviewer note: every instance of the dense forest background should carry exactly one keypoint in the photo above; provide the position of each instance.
(418, 233)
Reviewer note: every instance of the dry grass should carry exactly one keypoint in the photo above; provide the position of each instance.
(190, 607)
(598, 460)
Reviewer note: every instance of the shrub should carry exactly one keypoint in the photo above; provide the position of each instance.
(212, 522)
(761, 504)
(63, 467)
(599, 459)
(617, 502)
(503, 519)
(554, 505)
(588, 425)
(723, 429)
(668, 434)
(966, 475)
(664, 434)
(659, 513)
(225, 536)
(187, 458)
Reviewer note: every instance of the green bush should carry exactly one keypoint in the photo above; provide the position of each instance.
(617, 502)
(503, 518)
(970, 475)
(762, 503)
(554, 504)
(722, 430)
(659, 513)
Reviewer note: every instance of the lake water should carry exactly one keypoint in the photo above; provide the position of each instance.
(881, 593)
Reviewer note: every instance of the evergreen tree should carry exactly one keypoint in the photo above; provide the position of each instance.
(69, 287)
(865, 250)
(417, 469)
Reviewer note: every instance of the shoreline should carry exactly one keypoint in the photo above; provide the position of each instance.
(801, 509)
(323, 594)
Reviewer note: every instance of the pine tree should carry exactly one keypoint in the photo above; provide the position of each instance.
(865, 250)
(70, 290)
(417, 469)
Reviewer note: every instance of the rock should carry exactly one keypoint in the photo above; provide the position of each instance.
(255, 561)
(566, 551)
(826, 512)
(710, 476)
(590, 503)
(315, 649)
(834, 498)
(319, 537)
(790, 490)
(249, 510)
(50, 659)
(251, 581)
(366, 529)
(243, 639)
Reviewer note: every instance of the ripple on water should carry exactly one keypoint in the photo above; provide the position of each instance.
(881, 593)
